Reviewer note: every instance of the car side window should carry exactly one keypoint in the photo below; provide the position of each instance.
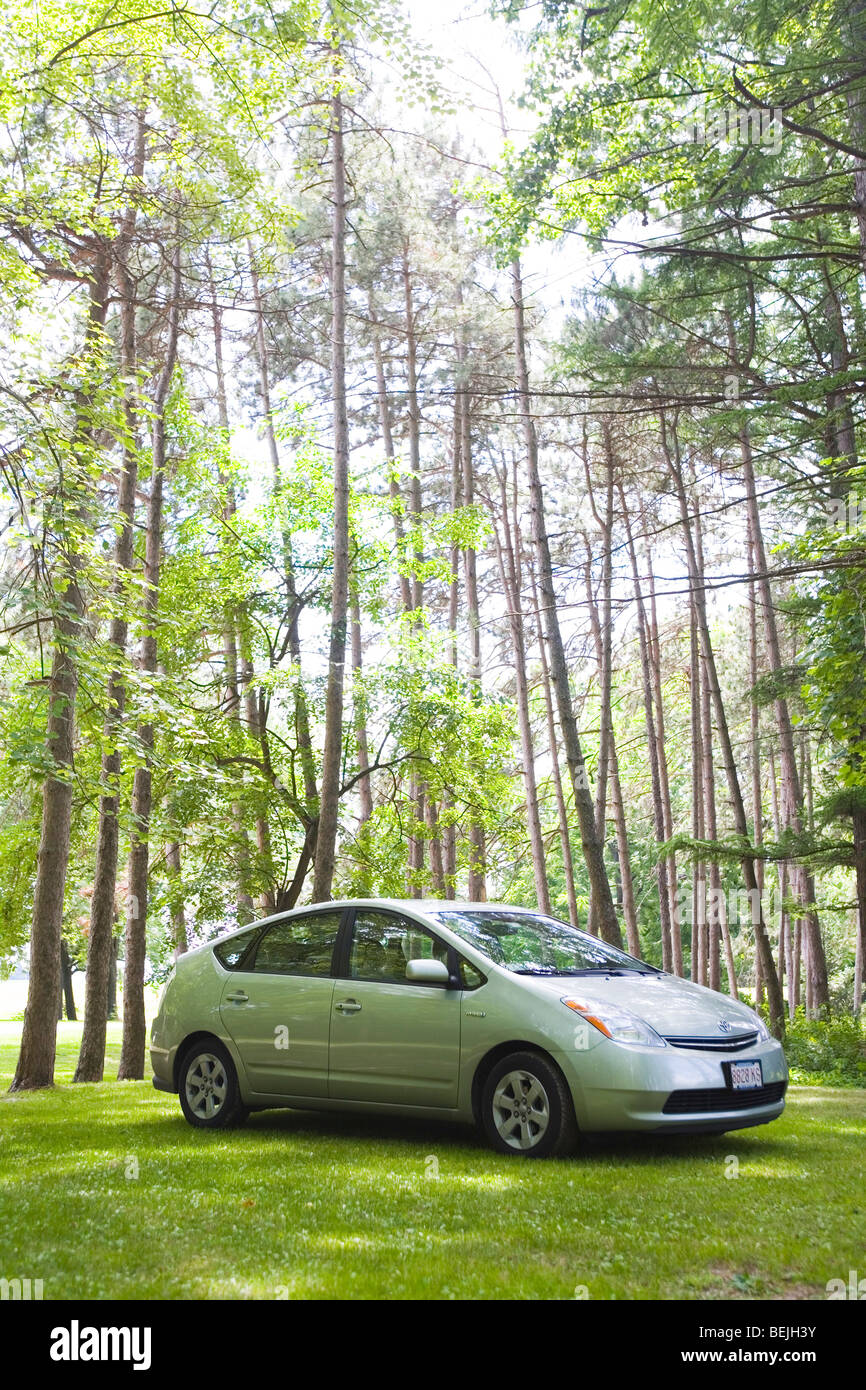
(230, 953)
(383, 944)
(298, 946)
(470, 976)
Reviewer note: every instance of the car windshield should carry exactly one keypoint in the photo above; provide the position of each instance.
(531, 944)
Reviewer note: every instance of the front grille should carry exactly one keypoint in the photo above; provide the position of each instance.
(715, 1044)
(705, 1102)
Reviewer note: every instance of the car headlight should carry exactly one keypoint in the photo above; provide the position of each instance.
(763, 1030)
(618, 1024)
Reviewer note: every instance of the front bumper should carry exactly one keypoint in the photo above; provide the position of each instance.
(618, 1087)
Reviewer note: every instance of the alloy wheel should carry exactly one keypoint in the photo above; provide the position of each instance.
(206, 1086)
(521, 1110)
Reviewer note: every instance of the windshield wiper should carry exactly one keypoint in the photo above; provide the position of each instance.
(578, 970)
(606, 970)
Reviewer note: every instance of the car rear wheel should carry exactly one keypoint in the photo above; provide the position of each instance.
(526, 1108)
(210, 1096)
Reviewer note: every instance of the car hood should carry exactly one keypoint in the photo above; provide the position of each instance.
(673, 1007)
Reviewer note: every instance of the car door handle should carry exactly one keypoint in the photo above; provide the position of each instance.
(349, 1006)
(238, 997)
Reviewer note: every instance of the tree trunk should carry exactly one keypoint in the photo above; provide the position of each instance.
(35, 1067)
(437, 863)
(842, 429)
(655, 654)
(66, 981)
(111, 998)
(416, 837)
(177, 912)
(606, 634)
(511, 587)
(390, 461)
(135, 939)
(715, 920)
(253, 715)
(699, 881)
(762, 942)
(293, 602)
(103, 907)
(792, 795)
(326, 840)
(244, 901)
(717, 916)
(593, 849)
(365, 793)
(449, 829)
(649, 720)
(629, 910)
(553, 746)
(859, 821)
(854, 33)
(786, 942)
(477, 846)
(456, 502)
(232, 704)
(414, 431)
(859, 973)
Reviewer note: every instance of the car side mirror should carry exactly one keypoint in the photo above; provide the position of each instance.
(428, 972)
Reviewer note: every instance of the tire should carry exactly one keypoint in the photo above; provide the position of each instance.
(526, 1108)
(210, 1095)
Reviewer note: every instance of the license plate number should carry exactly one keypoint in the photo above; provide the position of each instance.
(746, 1075)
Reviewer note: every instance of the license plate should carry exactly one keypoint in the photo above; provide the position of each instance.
(746, 1075)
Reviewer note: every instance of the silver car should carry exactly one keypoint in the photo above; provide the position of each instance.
(482, 1013)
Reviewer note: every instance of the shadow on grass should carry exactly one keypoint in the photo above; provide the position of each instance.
(135, 1117)
(633, 1148)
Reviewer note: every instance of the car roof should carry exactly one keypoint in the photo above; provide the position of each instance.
(423, 905)
(413, 904)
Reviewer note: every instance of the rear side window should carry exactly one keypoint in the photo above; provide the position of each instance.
(298, 946)
(230, 953)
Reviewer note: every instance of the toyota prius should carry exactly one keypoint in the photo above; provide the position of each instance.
(494, 1015)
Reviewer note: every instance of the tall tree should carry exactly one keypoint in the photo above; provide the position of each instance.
(35, 1067)
(593, 851)
(92, 1056)
(326, 840)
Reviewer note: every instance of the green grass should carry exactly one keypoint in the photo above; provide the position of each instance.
(321, 1206)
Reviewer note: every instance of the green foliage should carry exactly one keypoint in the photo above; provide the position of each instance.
(826, 1052)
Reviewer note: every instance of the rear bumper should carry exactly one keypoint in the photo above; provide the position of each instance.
(160, 1085)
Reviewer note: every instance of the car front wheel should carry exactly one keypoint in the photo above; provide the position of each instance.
(208, 1084)
(526, 1108)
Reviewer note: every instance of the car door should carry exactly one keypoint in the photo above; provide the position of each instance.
(392, 1040)
(278, 1007)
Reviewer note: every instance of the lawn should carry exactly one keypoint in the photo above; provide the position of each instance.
(105, 1192)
